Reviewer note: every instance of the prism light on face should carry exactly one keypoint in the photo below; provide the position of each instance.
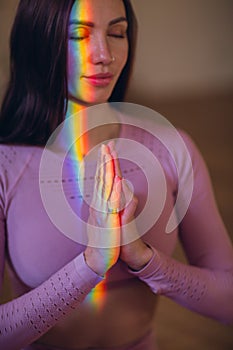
(97, 49)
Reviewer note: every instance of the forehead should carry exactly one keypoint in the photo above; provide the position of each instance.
(97, 11)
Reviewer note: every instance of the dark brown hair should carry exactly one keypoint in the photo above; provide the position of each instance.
(35, 100)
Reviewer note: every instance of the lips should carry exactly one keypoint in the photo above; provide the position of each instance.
(101, 79)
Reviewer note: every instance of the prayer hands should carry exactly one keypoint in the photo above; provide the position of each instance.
(112, 218)
(104, 223)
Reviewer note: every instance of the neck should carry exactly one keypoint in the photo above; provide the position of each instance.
(74, 107)
(87, 127)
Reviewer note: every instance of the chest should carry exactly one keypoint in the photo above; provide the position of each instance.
(42, 238)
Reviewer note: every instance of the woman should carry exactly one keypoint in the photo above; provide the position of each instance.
(79, 54)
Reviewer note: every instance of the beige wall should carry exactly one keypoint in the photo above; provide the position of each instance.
(7, 10)
(185, 46)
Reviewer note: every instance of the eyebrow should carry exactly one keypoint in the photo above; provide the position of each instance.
(91, 24)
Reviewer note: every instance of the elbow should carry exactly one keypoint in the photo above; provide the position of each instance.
(225, 315)
(226, 320)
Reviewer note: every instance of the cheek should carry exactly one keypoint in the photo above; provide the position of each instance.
(77, 60)
(123, 55)
(73, 68)
(72, 61)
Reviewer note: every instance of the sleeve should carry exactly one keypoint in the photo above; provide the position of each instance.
(25, 319)
(206, 284)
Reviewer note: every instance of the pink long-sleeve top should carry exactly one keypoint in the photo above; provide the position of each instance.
(47, 269)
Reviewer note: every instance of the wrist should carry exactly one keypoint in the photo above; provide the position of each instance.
(93, 263)
(142, 260)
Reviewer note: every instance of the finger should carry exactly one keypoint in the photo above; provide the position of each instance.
(117, 169)
(101, 164)
(111, 146)
(131, 201)
(108, 177)
(98, 182)
(105, 177)
(115, 197)
(114, 203)
(97, 179)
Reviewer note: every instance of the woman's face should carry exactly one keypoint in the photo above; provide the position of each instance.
(97, 49)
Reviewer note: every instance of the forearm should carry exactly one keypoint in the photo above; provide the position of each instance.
(27, 318)
(207, 292)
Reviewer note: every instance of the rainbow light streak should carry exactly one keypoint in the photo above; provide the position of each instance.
(97, 296)
(80, 51)
(81, 146)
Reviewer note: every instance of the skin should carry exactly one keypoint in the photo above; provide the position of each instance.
(99, 42)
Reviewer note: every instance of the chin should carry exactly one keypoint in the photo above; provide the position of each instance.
(91, 97)
(97, 99)
(98, 95)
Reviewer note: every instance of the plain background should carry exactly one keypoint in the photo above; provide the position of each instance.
(184, 70)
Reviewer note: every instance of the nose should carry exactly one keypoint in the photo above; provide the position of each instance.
(101, 53)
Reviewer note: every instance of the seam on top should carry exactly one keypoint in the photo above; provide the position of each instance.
(18, 178)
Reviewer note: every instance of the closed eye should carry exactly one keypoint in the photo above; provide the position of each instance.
(79, 34)
(78, 38)
(120, 36)
(117, 34)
